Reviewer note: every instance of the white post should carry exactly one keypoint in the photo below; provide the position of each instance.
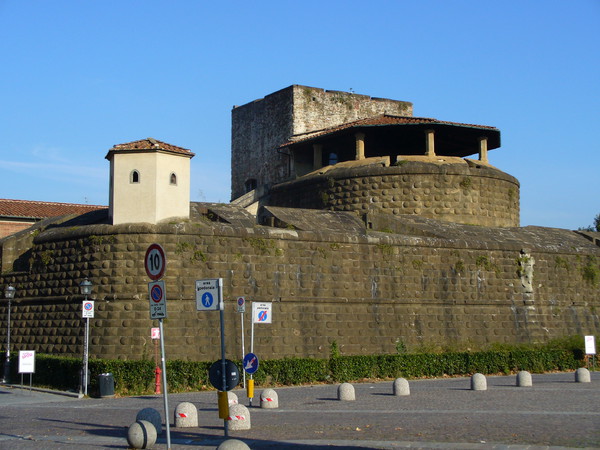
(85, 356)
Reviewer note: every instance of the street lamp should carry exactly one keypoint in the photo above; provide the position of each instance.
(9, 294)
(85, 288)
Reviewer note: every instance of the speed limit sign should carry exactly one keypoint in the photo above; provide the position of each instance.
(155, 262)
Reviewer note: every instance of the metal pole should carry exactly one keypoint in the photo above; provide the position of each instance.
(223, 361)
(251, 346)
(164, 376)
(7, 363)
(243, 349)
(86, 355)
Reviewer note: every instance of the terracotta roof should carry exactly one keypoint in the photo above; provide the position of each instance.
(382, 120)
(149, 144)
(41, 210)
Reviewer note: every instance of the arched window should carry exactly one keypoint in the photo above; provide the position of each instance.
(333, 159)
(173, 179)
(134, 176)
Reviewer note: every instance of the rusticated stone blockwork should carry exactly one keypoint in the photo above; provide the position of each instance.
(260, 127)
(457, 192)
(417, 282)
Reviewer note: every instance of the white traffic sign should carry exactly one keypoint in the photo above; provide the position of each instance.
(27, 361)
(155, 262)
(590, 345)
(261, 312)
(158, 299)
(209, 294)
(241, 304)
(87, 310)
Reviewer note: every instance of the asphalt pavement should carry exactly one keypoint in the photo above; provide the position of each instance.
(556, 412)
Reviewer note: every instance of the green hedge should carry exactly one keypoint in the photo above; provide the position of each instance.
(138, 377)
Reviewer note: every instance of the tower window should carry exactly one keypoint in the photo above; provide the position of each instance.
(250, 184)
(173, 179)
(134, 176)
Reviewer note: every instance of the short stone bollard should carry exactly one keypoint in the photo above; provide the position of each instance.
(239, 418)
(524, 379)
(186, 415)
(346, 392)
(478, 382)
(152, 416)
(582, 375)
(401, 387)
(232, 398)
(141, 434)
(233, 444)
(269, 399)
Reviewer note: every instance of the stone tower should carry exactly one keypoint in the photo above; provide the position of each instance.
(260, 127)
(149, 182)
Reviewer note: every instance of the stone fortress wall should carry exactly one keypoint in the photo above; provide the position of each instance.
(420, 283)
(453, 190)
(372, 254)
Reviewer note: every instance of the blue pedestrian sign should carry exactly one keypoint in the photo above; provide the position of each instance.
(250, 363)
(209, 294)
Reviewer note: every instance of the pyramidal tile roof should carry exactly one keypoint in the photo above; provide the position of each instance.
(41, 210)
(149, 144)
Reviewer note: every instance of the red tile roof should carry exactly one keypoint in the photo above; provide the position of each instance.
(149, 144)
(41, 210)
(384, 119)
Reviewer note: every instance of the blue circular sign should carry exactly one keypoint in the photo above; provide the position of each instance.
(250, 363)
(156, 293)
(207, 299)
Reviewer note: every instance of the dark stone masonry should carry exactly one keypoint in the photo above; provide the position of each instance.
(364, 226)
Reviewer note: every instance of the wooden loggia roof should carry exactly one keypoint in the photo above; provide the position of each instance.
(460, 139)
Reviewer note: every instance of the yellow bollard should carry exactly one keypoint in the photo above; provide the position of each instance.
(250, 388)
(223, 405)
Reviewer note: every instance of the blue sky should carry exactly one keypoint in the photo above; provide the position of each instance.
(78, 77)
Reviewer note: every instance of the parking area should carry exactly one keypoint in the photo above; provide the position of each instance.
(439, 413)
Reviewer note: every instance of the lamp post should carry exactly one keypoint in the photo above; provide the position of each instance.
(86, 289)
(9, 294)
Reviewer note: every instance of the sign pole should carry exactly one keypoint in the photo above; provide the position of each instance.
(223, 361)
(164, 377)
(243, 348)
(251, 382)
(86, 355)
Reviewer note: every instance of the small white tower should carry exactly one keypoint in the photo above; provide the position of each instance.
(149, 182)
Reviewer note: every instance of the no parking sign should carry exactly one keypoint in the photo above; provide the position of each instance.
(261, 312)
(87, 311)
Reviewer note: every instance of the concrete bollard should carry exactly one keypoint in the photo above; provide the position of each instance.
(401, 387)
(233, 444)
(186, 415)
(269, 399)
(239, 418)
(524, 379)
(478, 382)
(153, 416)
(346, 392)
(232, 398)
(582, 375)
(141, 434)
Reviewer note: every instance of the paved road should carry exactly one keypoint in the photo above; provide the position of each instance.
(442, 413)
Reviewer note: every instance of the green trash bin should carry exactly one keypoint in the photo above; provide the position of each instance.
(106, 385)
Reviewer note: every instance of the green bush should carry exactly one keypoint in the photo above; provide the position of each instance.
(138, 377)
